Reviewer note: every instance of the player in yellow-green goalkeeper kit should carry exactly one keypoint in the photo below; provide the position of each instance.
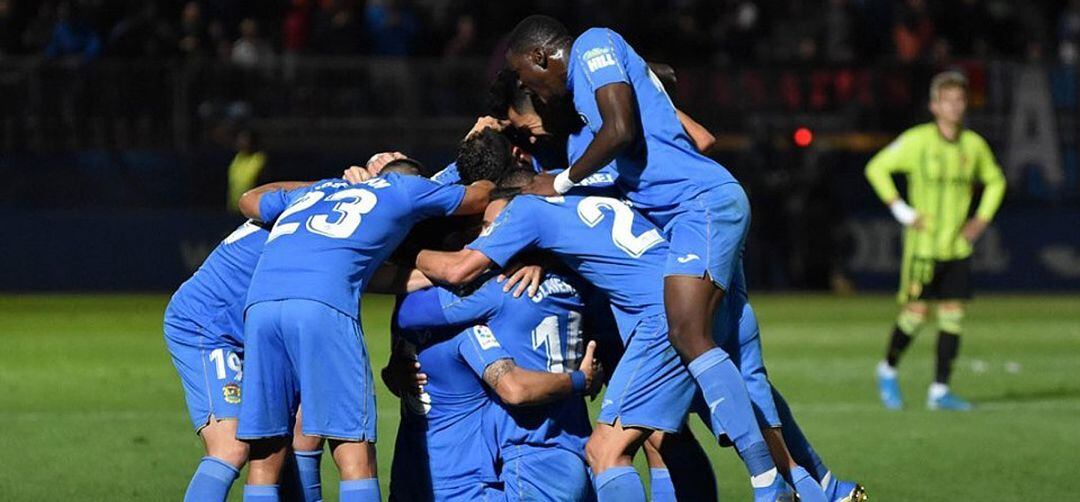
(943, 162)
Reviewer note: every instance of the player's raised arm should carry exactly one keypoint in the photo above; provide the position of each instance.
(452, 267)
(517, 386)
(251, 202)
(394, 279)
(477, 196)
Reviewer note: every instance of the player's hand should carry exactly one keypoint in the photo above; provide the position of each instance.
(919, 223)
(378, 161)
(974, 229)
(402, 375)
(486, 122)
(542, 184)
(523, 277)
(593, 370)
(356, 174)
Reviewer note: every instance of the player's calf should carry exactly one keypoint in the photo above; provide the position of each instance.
(679, 469)
(356, 464)
(225, 457)
(610, 453)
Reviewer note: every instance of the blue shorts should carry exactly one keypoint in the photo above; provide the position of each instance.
(706, 234)
(210, 368)
(304, 350)
(651, 387)
(552, 474)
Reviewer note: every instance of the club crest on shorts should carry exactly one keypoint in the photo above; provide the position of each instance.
(231, 392)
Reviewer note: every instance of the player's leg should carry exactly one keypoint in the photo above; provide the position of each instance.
(679, 469)
(271, 398)
(212, 393)
(835, 490)
(911, 319)
(303, 478)
(950, 317)
(337, 391)
(610, 453)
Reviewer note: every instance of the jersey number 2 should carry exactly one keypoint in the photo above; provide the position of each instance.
(622, 233)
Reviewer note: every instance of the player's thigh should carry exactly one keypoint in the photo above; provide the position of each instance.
(334, 371)
(651, 387)
(707, 237)
(270, 391)
(210, 371)
(549, 474)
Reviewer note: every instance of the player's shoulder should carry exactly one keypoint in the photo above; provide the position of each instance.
(974, 138)
(914, 136)
(589, 40)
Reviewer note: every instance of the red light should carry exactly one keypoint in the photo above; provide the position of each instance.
(803, 137)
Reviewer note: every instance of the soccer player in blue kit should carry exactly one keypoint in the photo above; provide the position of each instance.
(302, 331)
(700, 207)
(204, 333)
(541, 445)
(601, 239)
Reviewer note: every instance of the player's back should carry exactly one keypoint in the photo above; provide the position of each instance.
(601, 238)
(329, 239)
(213, 298)
(663, 166)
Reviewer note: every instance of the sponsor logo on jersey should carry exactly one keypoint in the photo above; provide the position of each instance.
(485, 338)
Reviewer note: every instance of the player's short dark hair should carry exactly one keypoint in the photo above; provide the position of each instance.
(411, 167)
(485, 156)
(505, 93)
(537, 31)
(510, 183)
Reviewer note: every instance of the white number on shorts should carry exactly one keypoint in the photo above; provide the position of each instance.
(546, 334)
(220, 360)
(590, 212)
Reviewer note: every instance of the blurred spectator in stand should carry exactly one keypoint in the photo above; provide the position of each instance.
(966, 26)
(294, 35)
(141, 33)
(839, 32)
(71, 38)
(10, 42)
(220, 44)
(251, 50)
(739, 33)
(194, 41)
(392, 27)
(913, 33)
(463, 42)
(245, 168)
(335, 29)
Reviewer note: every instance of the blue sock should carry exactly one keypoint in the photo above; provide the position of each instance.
(806, 486)
(729, 407)
(360, 490)
(211, 481)
(261, 493)
(797, 443)
(309, 475)
(619, 484)
(660, 487)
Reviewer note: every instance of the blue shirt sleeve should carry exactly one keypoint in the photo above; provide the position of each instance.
(448, 176)
(421, 310)
(479, 348)
(601, 58)
(476, 308)
(272, 204)
(511, 233)
(430, 199)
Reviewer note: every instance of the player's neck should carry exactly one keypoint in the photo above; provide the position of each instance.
(948, 130)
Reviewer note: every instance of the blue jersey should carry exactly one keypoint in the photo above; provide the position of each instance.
(446, 423)
(315, 250)
(600, 238)
(541, 333)
(448, 176)
(662, 167)
(213, 298)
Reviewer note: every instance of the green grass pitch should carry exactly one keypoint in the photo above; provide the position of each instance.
(92, 409)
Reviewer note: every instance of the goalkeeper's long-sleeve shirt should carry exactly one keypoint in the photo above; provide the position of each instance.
(941, 177)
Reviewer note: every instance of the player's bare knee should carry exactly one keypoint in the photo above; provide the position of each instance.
(303, 442)
(219, 436)
(652, 448)
(354, 460)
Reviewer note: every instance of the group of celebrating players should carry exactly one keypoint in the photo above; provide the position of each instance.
(589, 194)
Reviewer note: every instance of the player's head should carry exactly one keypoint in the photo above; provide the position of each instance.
(405, 166)
(507, 186)
(509, 101)
(484, 156)
(537, 50)
(948, 96)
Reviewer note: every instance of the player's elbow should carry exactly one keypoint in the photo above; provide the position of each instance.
(705, 142)
(458, 274)
(622, 133)
(249, 205)
(512, 391)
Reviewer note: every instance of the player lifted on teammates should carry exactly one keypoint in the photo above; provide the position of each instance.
(942, 162)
